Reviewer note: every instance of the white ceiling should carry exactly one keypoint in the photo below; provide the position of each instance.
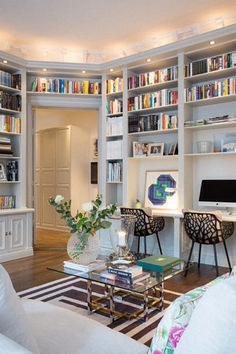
(95, 31)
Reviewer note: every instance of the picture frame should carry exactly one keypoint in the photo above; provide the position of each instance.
(2, 173)
(172, 149)
(140, 149)
(161, 190)
(155, 149)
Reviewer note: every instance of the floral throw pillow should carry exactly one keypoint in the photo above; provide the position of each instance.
(176, 318)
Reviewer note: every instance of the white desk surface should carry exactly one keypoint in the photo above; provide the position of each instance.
(179, 214)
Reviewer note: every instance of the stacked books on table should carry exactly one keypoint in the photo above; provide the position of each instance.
(159, 263)
(97, 264)
(124, 273)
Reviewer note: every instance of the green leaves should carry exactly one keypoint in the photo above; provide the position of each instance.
(86, 222)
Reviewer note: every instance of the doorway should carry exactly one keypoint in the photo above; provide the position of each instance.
(64, 149)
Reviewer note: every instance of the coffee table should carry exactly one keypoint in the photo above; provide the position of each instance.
(150, 291)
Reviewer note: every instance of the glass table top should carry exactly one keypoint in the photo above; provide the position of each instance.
(155, 279)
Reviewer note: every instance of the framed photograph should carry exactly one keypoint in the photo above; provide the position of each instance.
(156, 149)
(140, 149)
(161, 190)
(2, 173)
(172, 149)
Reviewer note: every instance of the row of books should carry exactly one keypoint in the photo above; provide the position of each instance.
(152, 100)
(114, 171)
(219, 62)
(114, 85)
(41, 84)
(5, 145)
(153, 77)
(9, 124)
(10, 101)
(114, 149)
(152, 122)
(214, 89)
(7, 201)
(114, 106)
(10, 80)
(114, 126)
(211, 120)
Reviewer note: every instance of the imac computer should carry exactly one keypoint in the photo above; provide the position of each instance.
(218, 193)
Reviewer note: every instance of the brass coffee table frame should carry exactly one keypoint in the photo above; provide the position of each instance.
(112, 292)
(141, 290)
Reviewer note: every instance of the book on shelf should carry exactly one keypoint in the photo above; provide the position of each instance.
(115, 278)
(98, 263)
(158, 263)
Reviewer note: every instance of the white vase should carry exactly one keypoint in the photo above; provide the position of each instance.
(80, 253)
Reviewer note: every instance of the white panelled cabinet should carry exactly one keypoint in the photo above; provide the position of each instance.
(15, 231)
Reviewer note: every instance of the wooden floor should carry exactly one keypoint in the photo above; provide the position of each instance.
(51, 249)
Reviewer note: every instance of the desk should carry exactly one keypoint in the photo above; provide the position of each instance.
(177, 216)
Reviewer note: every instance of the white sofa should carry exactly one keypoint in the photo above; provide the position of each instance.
(31, 326)
(201, 321)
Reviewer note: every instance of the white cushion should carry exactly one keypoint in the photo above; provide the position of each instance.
(211, 329)
(62, 331)
(10, 347)
(13, 320)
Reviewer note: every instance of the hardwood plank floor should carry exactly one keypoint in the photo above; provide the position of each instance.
(51, 249)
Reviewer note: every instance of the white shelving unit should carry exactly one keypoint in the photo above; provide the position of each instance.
(16, 222)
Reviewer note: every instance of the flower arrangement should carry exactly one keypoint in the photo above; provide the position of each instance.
(86, 222)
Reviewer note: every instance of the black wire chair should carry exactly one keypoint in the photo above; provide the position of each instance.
(145, 225)
(207, 229)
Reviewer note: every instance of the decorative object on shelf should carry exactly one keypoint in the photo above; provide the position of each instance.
(2, 173)
(138, 204)
(84, 225)
(140, 149)
(172, 149)
(121, 236)
(155, 149)
(204, 147)
(161, 190)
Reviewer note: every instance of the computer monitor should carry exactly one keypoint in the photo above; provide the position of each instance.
(218, 193)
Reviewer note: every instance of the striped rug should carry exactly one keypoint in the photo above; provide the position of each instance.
(71, 293)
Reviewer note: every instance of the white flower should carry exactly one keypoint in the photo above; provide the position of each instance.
(59, 199)
(87, 206)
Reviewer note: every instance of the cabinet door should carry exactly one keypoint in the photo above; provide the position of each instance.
(17, 229)
(3, 236)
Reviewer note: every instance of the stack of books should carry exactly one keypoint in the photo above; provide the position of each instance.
(124, 273)
(85, 268)
(5, 146)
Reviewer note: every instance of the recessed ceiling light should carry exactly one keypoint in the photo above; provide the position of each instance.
(212, 42)
(45, 69)
(111, 69)
(84, 71)
(148, 60)
(5, 61)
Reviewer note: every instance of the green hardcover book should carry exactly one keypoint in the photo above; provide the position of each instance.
(158, 263)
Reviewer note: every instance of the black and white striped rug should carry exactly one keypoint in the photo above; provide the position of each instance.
(71, 293)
